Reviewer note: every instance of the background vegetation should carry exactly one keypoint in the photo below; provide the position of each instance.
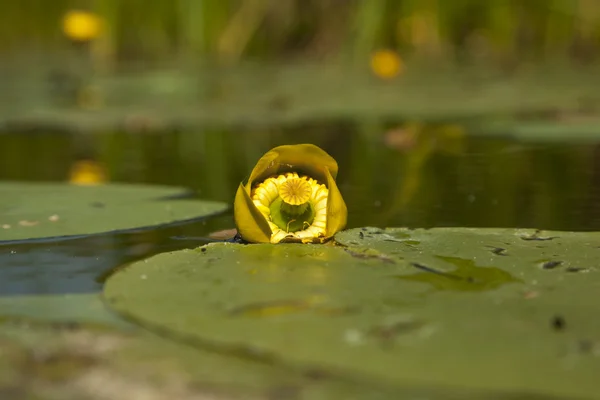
(500, 31)
(169, 127)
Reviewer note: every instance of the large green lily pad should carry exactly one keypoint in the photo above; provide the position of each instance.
(506, 311)
(66, 361)
(37, 210)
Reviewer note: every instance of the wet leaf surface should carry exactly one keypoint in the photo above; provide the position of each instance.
(43, 210)
(471, 308)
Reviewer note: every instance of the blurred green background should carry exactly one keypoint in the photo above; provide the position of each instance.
(198, 61)
(483, 113)
(499, 31)
(202, 61)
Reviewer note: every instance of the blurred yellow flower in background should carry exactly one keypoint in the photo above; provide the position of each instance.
(386, 64)
(87, 172)
(291, 196)
(81, 26)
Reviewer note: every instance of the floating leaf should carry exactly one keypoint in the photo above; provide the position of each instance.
(473, 259)
(50, 361)
(585, 131)
(36, 210)
(491, 317)
(65, 308)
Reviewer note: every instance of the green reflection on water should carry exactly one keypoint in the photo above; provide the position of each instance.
(467, 181)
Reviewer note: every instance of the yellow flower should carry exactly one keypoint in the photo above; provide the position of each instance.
(87, 172)
(81, 25)
(386, 64)
(291, 196)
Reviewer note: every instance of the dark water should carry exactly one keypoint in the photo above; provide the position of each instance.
(390, 175)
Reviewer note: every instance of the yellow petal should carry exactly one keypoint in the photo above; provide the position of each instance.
(306, 159)
(250, 223)
(337, 213)
(279, 236)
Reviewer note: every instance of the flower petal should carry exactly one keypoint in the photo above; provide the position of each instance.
(301, 158)
(250, 223)
(337, 212)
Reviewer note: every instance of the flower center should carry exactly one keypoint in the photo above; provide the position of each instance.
(294, 206)
(295, 193)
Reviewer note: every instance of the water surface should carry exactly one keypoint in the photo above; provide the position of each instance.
(391, 174)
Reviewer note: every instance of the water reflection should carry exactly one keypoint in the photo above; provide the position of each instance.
(391, 174)
(79, 265)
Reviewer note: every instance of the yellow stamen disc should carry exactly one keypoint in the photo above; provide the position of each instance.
(298, 188)
(295, 191)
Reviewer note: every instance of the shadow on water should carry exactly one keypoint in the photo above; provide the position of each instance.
(391, 174)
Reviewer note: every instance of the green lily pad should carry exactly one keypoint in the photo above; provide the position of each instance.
(38, 210)
(474, 259)
(543, 131)
(497, 310)
(69, 308)
(51, 361)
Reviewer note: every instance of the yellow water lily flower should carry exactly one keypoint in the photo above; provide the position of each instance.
(291, 196)
(81, 25)
(386, 64)
(87, 172)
